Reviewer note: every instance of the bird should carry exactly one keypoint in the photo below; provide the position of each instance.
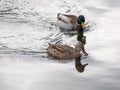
(70, 22)
(62, 51)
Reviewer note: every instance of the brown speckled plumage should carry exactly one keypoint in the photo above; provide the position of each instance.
(64, 51)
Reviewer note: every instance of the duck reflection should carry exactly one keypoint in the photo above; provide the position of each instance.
(79, 66)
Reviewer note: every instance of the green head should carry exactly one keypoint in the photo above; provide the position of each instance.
(81, 20)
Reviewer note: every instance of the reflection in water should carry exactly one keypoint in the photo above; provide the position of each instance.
(79, 66)
(71, 33)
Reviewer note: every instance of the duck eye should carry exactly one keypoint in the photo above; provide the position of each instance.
(83, 20)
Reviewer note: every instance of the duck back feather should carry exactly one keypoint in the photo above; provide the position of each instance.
(62, 51)
(68, 22)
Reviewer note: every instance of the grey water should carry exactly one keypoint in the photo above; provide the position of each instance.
(26, 28)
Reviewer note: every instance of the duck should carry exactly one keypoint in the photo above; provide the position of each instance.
(62, 51)
(70, 22)
(79, 66)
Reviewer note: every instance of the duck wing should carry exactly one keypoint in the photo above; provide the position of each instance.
(63, 48)
(60, 51)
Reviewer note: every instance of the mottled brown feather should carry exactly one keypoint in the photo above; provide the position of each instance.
(64, 51)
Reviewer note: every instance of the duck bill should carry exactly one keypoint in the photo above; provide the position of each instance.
(83, 25)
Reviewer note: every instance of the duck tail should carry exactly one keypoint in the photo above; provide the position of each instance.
(58, 15)
(49, 44)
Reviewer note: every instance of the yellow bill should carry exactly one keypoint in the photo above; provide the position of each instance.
(83, 25)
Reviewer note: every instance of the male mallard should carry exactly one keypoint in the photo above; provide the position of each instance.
(65, 51)
(70, 22)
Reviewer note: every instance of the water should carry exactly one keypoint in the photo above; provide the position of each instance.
(26, 28)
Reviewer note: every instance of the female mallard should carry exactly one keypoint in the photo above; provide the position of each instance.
(65, 51)
(69, 22)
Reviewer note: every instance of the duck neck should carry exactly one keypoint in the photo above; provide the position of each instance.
(76, 53)
(77, 49)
